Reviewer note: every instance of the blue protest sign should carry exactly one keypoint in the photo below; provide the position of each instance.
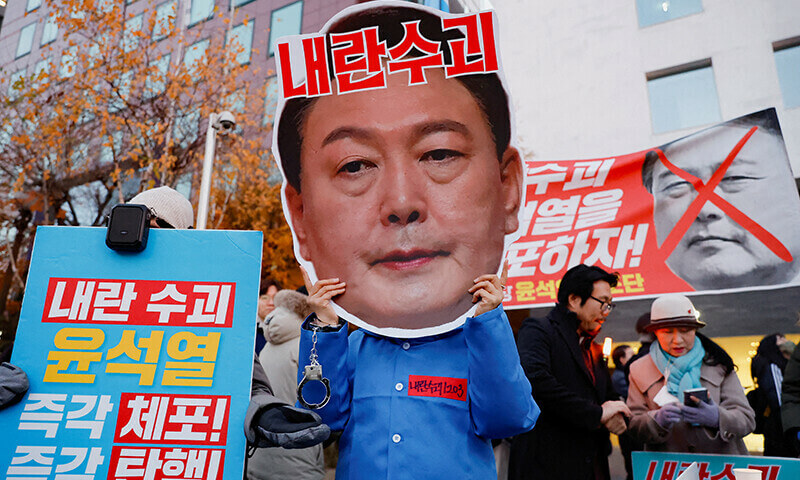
(140, 363)
(668, 466)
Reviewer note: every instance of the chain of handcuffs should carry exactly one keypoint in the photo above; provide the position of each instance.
(313, 373)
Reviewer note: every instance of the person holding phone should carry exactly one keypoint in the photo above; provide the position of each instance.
(685, 396)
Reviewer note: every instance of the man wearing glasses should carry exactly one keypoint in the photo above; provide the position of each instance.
(571, 383)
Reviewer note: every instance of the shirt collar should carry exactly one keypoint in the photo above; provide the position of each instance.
(415, 340)
(569, 317)
(572, 321)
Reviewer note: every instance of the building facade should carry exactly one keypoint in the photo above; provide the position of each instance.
(617, 77)
(595, 80)
(256, 24)
(28, 29)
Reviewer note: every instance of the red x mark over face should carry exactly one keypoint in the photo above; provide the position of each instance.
(705, 193)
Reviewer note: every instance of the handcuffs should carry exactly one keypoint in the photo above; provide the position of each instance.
(313, 373)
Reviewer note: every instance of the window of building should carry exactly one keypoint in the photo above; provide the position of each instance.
(286, 20)
(200, 10)
(195, 54)
(6, 133)
(239, 3)
(271, 100)
(26, 39)
(105, 6)
(74, 9)
(89, 97)
(183, 184)
(50, 30)
(42, 68)
(787, 61)
(99, 44)
(658, 11)
(80, 155)
(235, 102)
(66, 68)
(186, 128)
(156, 80)
(15, 77)
(130, 38)
(121, 92)
(683, 96)
(110, 148)
(240, 41)
(33, 5)
(166, 13)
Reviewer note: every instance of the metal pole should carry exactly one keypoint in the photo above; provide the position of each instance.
(208, 166)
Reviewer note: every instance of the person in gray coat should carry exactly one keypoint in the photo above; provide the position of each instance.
(279, 357)
(269, 421)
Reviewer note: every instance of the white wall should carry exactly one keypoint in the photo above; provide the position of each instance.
(577, 68)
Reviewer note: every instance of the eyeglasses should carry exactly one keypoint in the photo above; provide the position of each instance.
(606, 307)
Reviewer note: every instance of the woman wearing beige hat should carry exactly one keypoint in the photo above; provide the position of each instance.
(681, 361)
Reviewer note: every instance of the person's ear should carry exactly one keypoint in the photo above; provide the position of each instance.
(573, 302)
(512, 184)
(294, 202)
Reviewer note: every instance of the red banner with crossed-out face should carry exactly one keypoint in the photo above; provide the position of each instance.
(715, 211)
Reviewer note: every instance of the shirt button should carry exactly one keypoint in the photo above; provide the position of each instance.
(406, 346)
(396, 438)
(399, 387)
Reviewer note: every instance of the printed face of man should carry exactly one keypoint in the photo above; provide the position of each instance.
(403, 197)
(717, 252)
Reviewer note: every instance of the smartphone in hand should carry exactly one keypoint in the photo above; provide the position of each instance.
(700, 393)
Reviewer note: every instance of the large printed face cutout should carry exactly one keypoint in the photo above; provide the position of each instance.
(403, 195)
(721, 247)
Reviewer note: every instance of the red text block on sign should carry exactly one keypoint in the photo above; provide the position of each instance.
(179, 419)
(151, 463)
(139, 302)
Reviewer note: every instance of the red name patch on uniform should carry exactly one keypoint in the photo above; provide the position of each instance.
(442, 387)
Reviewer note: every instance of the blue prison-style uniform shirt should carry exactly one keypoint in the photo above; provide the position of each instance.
(430, 427)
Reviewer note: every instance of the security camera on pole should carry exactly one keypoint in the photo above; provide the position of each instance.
(222, 123)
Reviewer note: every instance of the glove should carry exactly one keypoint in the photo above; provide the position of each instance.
(705, 414)
(290, 427)
(668, 415)
(13, 384)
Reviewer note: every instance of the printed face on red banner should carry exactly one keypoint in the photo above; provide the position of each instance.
(715, 210)
(738, 236)
(401, 182)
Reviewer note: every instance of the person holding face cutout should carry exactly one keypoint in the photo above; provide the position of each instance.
(422, 407)
(402, 200)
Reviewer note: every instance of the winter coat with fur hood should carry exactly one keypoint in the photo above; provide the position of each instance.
(279, 357)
